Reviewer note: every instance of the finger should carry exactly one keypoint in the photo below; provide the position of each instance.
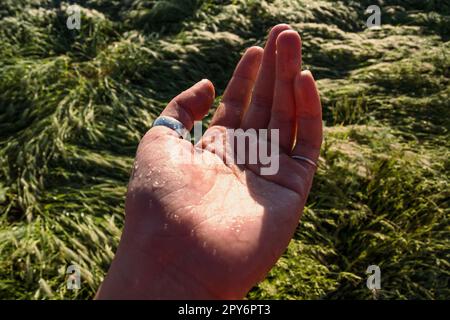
(309, 118)
(258, 114)
(191, 105)
(238, 92)
(288, 63)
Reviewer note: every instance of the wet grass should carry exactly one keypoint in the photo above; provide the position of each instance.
(74, 104)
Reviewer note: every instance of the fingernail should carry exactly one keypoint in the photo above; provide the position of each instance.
(206, 81)
(202, 81)
(307, 71)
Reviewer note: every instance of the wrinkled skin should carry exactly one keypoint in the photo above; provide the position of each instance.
(211, 229)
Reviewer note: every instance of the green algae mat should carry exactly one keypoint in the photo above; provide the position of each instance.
(74, 104)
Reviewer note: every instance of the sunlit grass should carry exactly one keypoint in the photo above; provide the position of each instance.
(74, 104)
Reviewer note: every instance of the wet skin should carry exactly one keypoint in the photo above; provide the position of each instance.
(212, 229)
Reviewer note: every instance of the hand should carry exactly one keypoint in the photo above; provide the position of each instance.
(213, 229)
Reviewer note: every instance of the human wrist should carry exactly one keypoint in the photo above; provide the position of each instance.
(137, 272)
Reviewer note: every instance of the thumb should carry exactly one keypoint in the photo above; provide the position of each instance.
(191, 105)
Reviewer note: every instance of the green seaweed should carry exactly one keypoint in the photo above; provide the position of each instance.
(74, 104)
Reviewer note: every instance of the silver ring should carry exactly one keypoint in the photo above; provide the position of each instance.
(173, 124)
(305, 159)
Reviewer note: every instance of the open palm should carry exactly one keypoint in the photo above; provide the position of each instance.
(213, 228)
